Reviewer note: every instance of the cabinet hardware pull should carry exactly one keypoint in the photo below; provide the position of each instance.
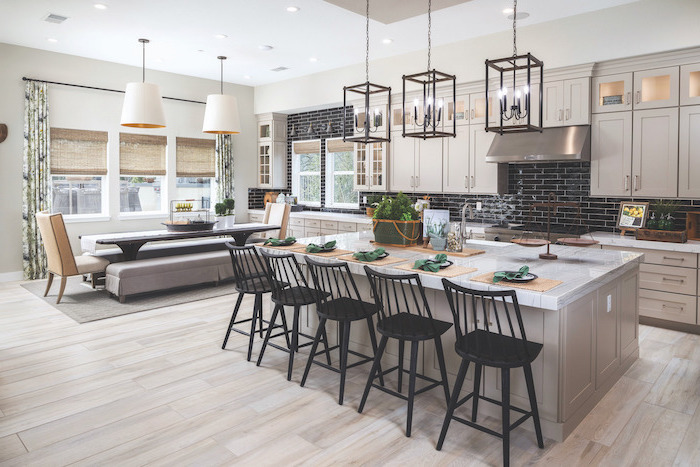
(675, 259)
(568, 114)
(638, 97)
(466, 182)
(663, 305)
(417, 181)
(629, 98)
(627, 182)
(636, 183)
(472, 114)
(473, 183)
(560, 114)
(672, 280)
(412, 181)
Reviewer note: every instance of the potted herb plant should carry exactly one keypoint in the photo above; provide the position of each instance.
(438, 236)
(224, 214)
(396, 222)
(665, 210)
(372, 203)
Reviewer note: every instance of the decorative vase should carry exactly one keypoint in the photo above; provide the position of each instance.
(225, 222)
(401, 233)
(439, 243)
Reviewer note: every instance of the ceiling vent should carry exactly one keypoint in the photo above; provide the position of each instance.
(280, 68)
(54, 18)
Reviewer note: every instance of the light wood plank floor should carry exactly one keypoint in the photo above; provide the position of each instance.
(155, 388)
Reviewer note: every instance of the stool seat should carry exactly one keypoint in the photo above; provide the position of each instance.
(412, 327)
(346, 309)
(296, 296)
(495, 350)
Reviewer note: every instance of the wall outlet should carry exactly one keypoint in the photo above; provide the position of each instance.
(609, 303)
(478, 206)
(364, 199)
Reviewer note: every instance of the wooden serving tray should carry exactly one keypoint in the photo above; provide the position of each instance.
(671, 236)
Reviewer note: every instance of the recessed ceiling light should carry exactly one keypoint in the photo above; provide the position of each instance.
(521, 15)
(200, 50)
(100, 6)
(51, 39)
(221, 36)
(292, 9)
(387, 41)
(313, 59)
(265, 47)
(507, 11)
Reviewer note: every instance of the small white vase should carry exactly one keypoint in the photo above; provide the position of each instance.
(225, 222)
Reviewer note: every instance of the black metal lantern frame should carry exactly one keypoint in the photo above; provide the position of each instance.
(367, 131)
(520, 104)
(432, 108)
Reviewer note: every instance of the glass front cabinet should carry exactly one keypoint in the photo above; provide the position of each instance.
(690, 84)
(272, 151)
(370, 167)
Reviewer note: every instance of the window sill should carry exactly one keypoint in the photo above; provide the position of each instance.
(80, 218)
(128, 216)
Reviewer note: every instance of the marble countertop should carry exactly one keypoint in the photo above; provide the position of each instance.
(328, 216)
(581, 269)
(614, 239)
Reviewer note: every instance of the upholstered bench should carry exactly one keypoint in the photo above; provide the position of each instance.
(148, 275)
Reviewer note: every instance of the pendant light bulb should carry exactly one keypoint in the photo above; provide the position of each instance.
(221, 113)
(143, 105)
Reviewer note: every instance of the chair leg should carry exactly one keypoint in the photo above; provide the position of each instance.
(261, 323)
(477, 390)
(295, 341)
(373, 340)
(48, 284)
(325, 345)
(443, 369)
(60, 291)
(253, 323)
(505, 414)
(344, 346)
(401, 349)
(285, 328)
(461, 374)
(411, 386)
(269, 332)
(314, 346)
(373, 371)
(533, 404)
(233, 319)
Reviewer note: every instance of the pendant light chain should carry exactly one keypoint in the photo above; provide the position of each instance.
(430, 24)
(143, 61)
(515, 15)
(367, 48)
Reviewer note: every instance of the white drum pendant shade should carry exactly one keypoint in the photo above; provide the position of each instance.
(143, 106)
(221, 115)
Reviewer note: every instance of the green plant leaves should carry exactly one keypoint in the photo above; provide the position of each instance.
(315, 248)
(369, 255)
(277, 242)
(399, 208)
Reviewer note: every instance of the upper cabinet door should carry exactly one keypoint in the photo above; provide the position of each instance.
(477, 108)
(360, 181)
(455, 111)
(553, 104)
(455, 162)
(428, 176)
(656, 88)
(655, 153)
(611, 154)
(690, 84)
(612, 93)
(376, 160)
(401, 162)
(577, 101)
(484, 177)
(689, 156)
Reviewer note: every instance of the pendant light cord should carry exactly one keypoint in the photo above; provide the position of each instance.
(222, 74)
(515, 16)
(430, 24)
(143, 63)
(367, 38)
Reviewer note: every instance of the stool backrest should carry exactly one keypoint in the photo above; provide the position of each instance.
(249, 270)
(486, 310)
(334, 278)
(398, 293)
(285, 274)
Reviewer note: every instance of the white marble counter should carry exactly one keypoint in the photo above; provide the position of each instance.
(327, 216)
(581, 269)
(615, 239)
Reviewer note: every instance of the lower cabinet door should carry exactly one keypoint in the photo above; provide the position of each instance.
(668, 306)
(607, 336)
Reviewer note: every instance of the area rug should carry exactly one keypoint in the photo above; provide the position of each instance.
(83, 304)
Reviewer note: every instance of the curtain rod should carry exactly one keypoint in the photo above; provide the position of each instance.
(24, 78)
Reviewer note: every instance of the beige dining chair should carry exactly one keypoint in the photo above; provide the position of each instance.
(59, 254)
(277, 213)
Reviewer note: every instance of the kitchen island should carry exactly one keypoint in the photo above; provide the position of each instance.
(588, 324)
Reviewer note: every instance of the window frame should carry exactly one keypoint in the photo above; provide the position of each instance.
(165, 181)
(296, 174)
(330, 179)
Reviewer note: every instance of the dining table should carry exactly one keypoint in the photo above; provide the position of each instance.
(131, 242)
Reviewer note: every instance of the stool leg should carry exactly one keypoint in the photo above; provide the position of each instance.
(411, 386)
(401, 346)
(233, 319)
(260, 315)
(477, 390)
(325, 345)
(269, 331)
(253, 322)
(533, 404)
(295, 341)
(344, 346)
(443, 369)
(314, 346)
(461, 374)
(285, 327)
(375, 367)
(505, 414)
(373, 340)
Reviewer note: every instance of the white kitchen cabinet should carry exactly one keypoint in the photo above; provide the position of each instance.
(477, 108)
(455, 174)
(611, 154)
(484, 177)
(370, 166)
(378, 120)
(553, 104)
(656, 88)
(457, 111)
(401, 162)
(534, 110)
(566, 102)
(612, 93)
(272, 151)
(428, 164)
(690, 84)
(689, 152)
(655, 153)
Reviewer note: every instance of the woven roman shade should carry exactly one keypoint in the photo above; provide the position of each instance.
(337, 145)
(78, 152)
(195, 157)
(142, 154)
(307, 147)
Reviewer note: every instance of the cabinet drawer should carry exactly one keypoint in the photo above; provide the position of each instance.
(329, 225)
(328, 231)
(312, 232)
(314, 223)
(255, 217)
(347, 227)
(362, 226)
(665, 258)
(296, 222)
(668, 279)
(669, 306)
(297, 232)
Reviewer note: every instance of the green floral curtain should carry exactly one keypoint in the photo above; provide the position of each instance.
(224, 167)
(37, 176)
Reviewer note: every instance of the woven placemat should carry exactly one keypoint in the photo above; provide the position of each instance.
(379, 262)
(294, 246)
(452, 271)
(538, 285)
(465, 253)
(336, 252)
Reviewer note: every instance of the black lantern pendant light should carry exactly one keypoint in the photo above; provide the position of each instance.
(515, 103)
(366, 128)
(427, 119)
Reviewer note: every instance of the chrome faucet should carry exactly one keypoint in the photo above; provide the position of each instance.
(463, 224)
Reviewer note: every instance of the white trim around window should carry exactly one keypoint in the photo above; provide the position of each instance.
(347, 173)
(309, 175)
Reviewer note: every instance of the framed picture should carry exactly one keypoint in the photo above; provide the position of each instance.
(633, 215)
(437, 219)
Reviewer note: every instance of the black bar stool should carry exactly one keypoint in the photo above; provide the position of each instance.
(404, 314)
(289, 288)
(341, 302)
(250, 276)
(504, 347)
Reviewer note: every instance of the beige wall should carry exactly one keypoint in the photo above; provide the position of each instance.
(97, 110)
(637, 28)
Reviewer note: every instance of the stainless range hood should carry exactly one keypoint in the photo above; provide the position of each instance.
(564, 144)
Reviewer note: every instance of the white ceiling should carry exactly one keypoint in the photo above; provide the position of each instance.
(182, 31)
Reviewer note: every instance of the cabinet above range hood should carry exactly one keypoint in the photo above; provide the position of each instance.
(561, 144)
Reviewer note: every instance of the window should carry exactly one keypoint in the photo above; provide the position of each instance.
(194, 167)
(78, 171)
(142, 171)
(340, 157)
(306, 171)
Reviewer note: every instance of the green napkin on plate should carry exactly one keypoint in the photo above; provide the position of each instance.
(315, 248)
(500, 275)
(369, 255)
(277, 242)
(431, 264)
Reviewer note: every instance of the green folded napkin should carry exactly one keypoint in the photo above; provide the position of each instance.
(430, 264)
(277, 242)
(500, 275)
(315, 248)
(369, 255)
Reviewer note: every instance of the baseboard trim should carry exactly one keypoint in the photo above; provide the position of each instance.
(11, 276)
